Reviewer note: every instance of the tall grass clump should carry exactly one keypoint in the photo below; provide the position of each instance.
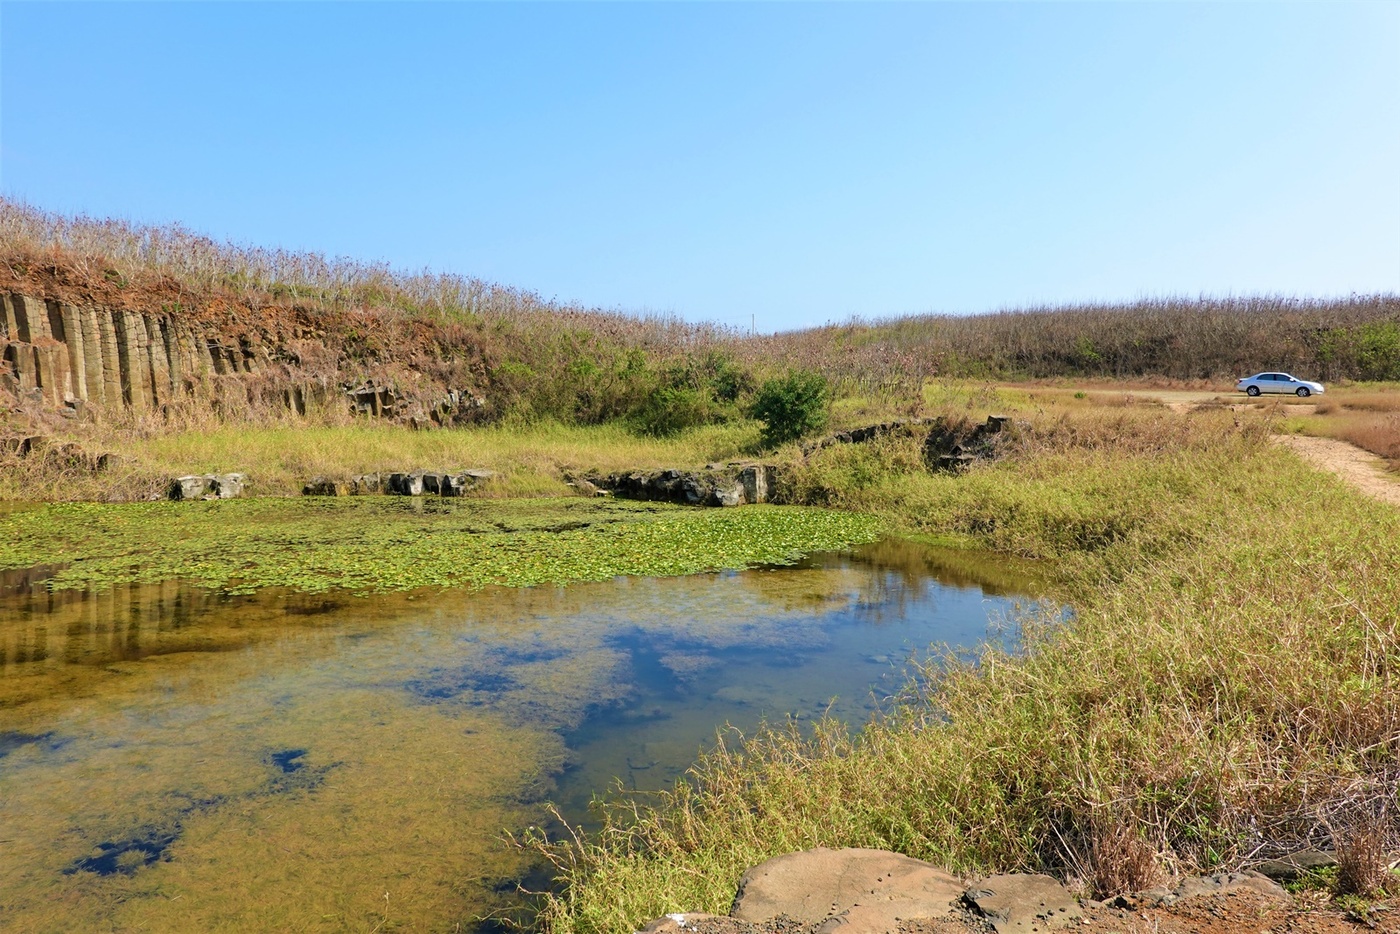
(1231, 675)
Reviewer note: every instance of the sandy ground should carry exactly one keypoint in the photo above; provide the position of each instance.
(1361, 469)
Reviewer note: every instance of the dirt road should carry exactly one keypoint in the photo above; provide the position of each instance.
(1361, 469)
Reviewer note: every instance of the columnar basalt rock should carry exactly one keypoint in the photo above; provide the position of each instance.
(8, 322)
(93, 384)
(79, 358)
(32, 318)
(111, 359)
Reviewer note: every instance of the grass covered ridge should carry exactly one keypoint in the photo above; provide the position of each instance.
(381, 544)
(1229, 690)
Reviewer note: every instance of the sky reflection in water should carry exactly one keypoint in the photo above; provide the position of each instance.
(177, 760)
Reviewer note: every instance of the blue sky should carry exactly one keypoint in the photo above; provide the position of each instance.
(798, 163)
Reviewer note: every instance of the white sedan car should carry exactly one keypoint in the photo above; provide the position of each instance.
(1277, 382)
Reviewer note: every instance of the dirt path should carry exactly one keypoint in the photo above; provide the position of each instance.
(1361, 469)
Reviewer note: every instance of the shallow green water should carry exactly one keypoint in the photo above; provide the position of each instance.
(175, 760)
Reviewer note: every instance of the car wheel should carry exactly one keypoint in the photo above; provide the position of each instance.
(1252, 391)
(1304, 392)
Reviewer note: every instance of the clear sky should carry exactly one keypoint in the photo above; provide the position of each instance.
(799, 163)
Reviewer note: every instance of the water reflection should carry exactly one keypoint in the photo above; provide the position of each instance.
(172, 759)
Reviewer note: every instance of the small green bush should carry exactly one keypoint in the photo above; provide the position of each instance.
(792, 406)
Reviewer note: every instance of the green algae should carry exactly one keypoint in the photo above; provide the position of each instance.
(385, 544)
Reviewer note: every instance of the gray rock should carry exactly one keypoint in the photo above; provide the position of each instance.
(726, 493)
(365, 484)
(754, 479)
(323, 486)
(1221, 883)
(190, 488)
(433, 483)
(1295, 866)
(694, 490)
(1023, 902)
(227, 485)
(406, 484)
(854, 890)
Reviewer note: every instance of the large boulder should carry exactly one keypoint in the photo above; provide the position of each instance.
(435, 482)
(850, 889)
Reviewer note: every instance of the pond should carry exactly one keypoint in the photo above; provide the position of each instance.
(172, 759)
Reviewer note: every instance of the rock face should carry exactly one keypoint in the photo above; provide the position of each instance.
(846, 890)
(716, 485)
(79, 359)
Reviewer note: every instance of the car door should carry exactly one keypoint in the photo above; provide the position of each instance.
(1277, 383)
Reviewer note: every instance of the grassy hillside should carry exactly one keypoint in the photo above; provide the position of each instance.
(528, 358)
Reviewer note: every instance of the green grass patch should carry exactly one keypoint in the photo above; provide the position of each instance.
(532, 459)
(378, 544)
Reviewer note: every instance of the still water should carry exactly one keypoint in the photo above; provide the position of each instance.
(175, 760)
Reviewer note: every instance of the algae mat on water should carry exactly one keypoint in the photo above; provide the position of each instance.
(379, 544)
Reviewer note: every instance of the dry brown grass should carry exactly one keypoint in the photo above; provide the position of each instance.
(1363, 835)
(1167, 343)
(1120, 860)
(1377, 435)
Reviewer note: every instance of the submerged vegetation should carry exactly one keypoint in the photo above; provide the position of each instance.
(377, 544)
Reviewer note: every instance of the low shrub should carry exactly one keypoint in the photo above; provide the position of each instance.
(792, 406)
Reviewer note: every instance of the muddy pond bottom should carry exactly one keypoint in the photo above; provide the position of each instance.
(175, 760)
